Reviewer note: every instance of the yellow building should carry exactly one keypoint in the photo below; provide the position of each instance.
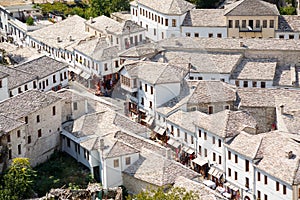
(251, 19)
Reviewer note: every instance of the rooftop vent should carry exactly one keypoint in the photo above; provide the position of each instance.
(290, 155)
(241, 44)
(59, 39)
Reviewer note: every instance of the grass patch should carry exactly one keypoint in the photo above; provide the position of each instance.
(61, 170)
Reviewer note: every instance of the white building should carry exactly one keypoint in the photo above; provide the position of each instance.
(161, 19)
(3, 86)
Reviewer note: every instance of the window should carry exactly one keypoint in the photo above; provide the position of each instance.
(196, 35)
(127, 160)
(158, 20)
(257, 24)
(47, 82)
(220, 160)
(237, 23)
(8, 138)
(258, 176)
(266, 197)
(166, 22)
(237, 83)
(200, 151)
(213, 140)
(227, 107)
(75, 107)
(258, 194)
(199, 133)
(188, 34)
(284, 189)
(116, 163)
(210, 35)
(53, 111)
(247, 182)
(265, 24)
(19, 149)
(291, 36)
(281, 36)
(61, 77)
(178, 132)
(235, 175)
(254, 84)
(151, 89)
(271, 24)
(40, 133)
(219, 35)
(229, 172)
(247, 165)
(37, 119)
(236, 158)
(116, 64)
(29, 139)
(205, 152)
(230, 24)
(214, 157)
(266, 180)
(192, 139)
(25, 87)
(154, 31)
(0, 83)
(219, 143)
(142, 101)
(19, 90)
(263, 84)
(150, 104)
(9, 154)
(145, 87)
(26, 120)
(245, 84)
(277, 186)
(18, 133)
(54, 79)
(185, 136)
(68, 142)
(210, 109)
(105, 66)
(173, 22)
(205, 136)
(243, 23)
(229, 155)
(162, 35)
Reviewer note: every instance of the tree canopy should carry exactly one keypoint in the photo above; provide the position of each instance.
(175, 193)
(18, 180)
(205, 3)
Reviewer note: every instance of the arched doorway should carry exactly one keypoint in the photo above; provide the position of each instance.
(247, 198)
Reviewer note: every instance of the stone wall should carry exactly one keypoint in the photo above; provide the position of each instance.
(134, 185)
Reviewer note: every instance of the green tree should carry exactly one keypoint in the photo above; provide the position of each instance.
(18, 180)
(287, 10)
(29, 21)
(173, 194)
(205, 3)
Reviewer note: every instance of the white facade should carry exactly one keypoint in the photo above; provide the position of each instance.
(22, 88)
(59, 78)
(4, 94)
(208, 76)
(252, 83)
(213, 32)
(287, 35)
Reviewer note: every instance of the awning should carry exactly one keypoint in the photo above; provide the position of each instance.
(232, 187)
(75, 70)
(85, 75)
(215, 172)
(209, 183)
(199, 161)
(211, 171)
(188, 150)
(149, 120)
(159, 130)
(173, 143)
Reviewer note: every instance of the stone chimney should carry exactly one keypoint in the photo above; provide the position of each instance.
(241, 44)
(58, 39)
(282, 109)
(91, 20)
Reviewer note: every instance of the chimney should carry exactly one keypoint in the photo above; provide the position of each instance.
(290, 155)
(70, 37)
(58, 39)
(91, 20)
(241, 44)
(282, 109)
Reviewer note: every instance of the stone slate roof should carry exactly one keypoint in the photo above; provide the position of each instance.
(121, 149)
(42, 67)
(227, 123)
(16, 77)
(273, 154)
(158, 170)
(8, 124)
(203, 18)
(63, 29)
(103, 123)
(169, 7)
(139, 143)
(187, 120)
(211, 92)
(26, 103)
(155, 73)
(141, 51)
(3, 75)
(202, 62)
(98, 49)
(253, 69)
(205, 193)
(289, 23)
(251, 8)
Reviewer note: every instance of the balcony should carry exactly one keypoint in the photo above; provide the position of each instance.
(250, 29)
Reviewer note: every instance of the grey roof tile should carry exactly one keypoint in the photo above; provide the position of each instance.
(203, 18)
